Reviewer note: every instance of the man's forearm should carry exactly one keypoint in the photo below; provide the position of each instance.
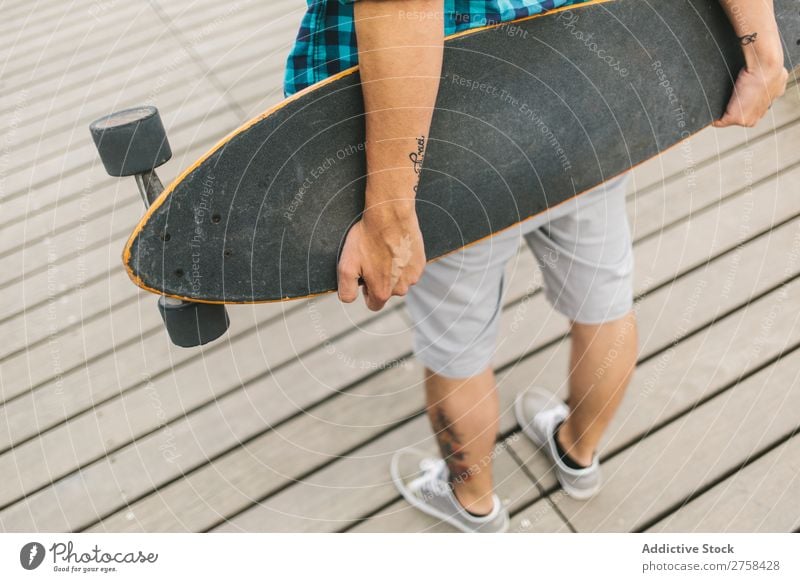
(754, 23)
(400, 44)
(763, 78)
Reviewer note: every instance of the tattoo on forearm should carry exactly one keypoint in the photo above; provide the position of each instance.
(748, 38)
(417, 157)
(450, 446)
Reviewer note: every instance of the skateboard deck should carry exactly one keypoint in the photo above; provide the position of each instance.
(530, 113)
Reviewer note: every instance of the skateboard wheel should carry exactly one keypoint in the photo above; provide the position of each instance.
(132, 141)
(192, 324)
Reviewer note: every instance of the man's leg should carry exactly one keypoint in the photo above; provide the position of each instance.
(586, 260)
(464, 416)
(602, 361)
(455, 309)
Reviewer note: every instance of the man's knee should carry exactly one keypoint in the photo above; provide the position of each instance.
(617, 338)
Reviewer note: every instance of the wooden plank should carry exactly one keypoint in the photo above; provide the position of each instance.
(51, 366)
(108, 83)
(180, 119)
(59, 315)
(109, 74)
(62, 282)
(739, 170)
(538, 518)
(44, 28)
(44, 127)
(72, 185)
(178, 116)
(262, 403)
(83, 343)
(73, 182)
(182, 12)
(16, 13)
(59, 215)
(762, 497)
(242, 74)
(56, 210)
(283, 333)
(274, 459)
(240, 31)
(693, 450)
(229, 484)
(161, 59)
(95, 31)
(97, 228)
(114, 69)
(331, 498)
(45, 176)
(710, 232)
(244, 56)
(283, 330)
(53, 178)
(60, 353)
(264, 464)
(44, 37)
(255, 98)
(710, 143)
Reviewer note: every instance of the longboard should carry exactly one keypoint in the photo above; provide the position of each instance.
(529, 114)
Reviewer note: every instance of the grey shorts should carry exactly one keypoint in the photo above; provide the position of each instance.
(583, 249)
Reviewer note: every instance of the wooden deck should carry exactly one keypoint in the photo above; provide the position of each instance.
(288, 424)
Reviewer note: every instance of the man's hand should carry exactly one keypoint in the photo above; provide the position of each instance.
(386, 251)
(400, 50)
(763, 79)
(755, 90)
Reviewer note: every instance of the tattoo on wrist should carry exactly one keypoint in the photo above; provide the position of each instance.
(748, 38)
(417, 157)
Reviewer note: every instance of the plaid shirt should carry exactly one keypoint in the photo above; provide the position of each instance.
(326, 42)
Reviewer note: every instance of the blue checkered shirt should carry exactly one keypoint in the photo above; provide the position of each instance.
(326, 42)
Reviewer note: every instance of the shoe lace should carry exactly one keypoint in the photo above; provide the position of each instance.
(434, 479)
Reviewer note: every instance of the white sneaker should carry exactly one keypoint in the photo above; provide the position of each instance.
(423, 482)
(538, 413)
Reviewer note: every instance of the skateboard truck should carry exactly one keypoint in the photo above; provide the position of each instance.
(133, 142)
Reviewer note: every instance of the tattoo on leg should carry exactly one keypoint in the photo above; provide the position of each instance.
(450, 446)
(748, 38)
